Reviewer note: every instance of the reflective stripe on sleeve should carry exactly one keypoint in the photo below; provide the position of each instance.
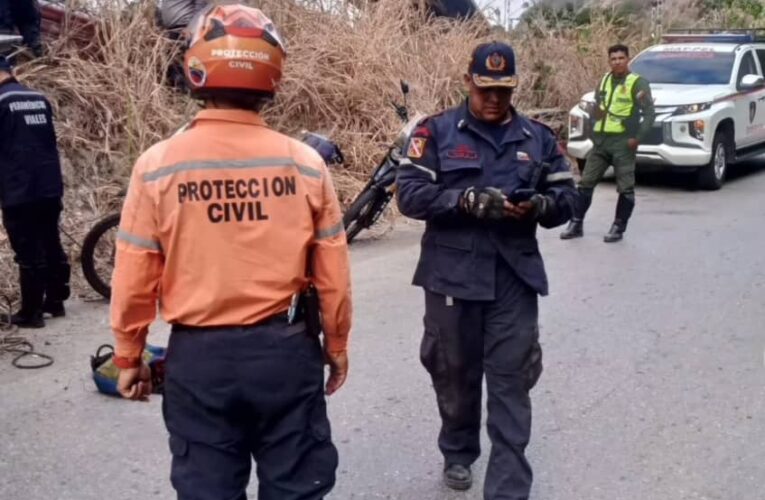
(230, 165)
(17, 93)
(406, 162)
(138, 241)
(323, 234)
(559, 176)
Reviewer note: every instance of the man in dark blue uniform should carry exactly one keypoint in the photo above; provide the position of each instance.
(30, 196)
(483, 177)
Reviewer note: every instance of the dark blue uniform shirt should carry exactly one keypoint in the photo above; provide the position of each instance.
(452, 151)
(30, 169)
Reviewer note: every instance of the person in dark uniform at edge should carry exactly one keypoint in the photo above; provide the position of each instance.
(621, 100)
(24, 16)
(31, 189)
(483, 177)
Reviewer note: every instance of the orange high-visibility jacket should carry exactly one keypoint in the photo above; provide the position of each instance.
(217, 226)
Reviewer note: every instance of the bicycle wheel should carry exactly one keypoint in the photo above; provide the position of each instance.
(97, 257)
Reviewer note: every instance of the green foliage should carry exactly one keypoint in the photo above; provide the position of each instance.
(754, 8)
(734, 13)
(574, 14)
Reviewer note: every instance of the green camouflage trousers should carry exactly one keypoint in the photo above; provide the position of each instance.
(610, 150)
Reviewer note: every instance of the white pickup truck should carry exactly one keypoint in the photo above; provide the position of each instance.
(709, 94)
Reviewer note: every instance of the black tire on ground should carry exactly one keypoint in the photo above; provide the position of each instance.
(90, 268)
(712, 176)
(359, 214)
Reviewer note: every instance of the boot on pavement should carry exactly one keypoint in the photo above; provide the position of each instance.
(616, 233)
(575, 229)
(23, 321)
(55, 309)
(458, 477)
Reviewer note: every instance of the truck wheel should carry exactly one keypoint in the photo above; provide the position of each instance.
(712, 176)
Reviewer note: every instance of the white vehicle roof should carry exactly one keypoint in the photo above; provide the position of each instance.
(695, 47)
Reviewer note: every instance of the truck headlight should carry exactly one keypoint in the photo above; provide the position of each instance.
(693, 108)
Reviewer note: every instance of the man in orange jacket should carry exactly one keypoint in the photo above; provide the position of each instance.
(219, 226)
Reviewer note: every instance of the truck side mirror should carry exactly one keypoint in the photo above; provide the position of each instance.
(752, 82)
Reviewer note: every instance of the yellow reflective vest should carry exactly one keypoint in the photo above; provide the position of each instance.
(617, 103)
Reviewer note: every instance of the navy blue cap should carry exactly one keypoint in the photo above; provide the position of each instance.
(5, 64)
(493, 65)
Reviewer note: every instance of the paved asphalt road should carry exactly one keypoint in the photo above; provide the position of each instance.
(653, 388)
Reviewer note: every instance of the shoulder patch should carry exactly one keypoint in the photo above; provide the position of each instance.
(416, 147)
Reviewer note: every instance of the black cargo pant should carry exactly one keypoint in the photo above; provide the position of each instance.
(233, 394)
(43, 265)
(462, 341)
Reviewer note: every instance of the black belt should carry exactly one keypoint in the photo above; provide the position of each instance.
(278, 317)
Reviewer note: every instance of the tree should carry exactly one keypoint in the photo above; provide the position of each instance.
(754, 8)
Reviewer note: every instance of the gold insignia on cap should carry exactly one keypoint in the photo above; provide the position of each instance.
(496, 62)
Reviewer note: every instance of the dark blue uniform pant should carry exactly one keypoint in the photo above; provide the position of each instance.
(44, 270)
(462, 341)
(234, 394)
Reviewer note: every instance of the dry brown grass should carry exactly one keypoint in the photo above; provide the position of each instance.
(342, 72)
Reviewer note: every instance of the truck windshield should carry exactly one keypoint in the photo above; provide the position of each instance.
(685, 67)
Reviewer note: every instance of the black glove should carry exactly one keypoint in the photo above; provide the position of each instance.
(483, 203)
(542, 205)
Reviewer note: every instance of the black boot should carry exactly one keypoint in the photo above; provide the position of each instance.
(615, 233)
(32, 291)
(575, 229)
(458, 477)
(54, 309)
(57, 289)
(624, 208)
(23, 321)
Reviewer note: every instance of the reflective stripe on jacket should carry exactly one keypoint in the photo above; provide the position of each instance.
(617, 102)
(217, 226)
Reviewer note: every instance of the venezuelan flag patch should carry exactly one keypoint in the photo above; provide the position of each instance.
(417, 147)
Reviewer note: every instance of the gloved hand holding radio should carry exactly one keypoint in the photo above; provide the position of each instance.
(483, 203)
(537, 207)
(491, 203)
(527, 203)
